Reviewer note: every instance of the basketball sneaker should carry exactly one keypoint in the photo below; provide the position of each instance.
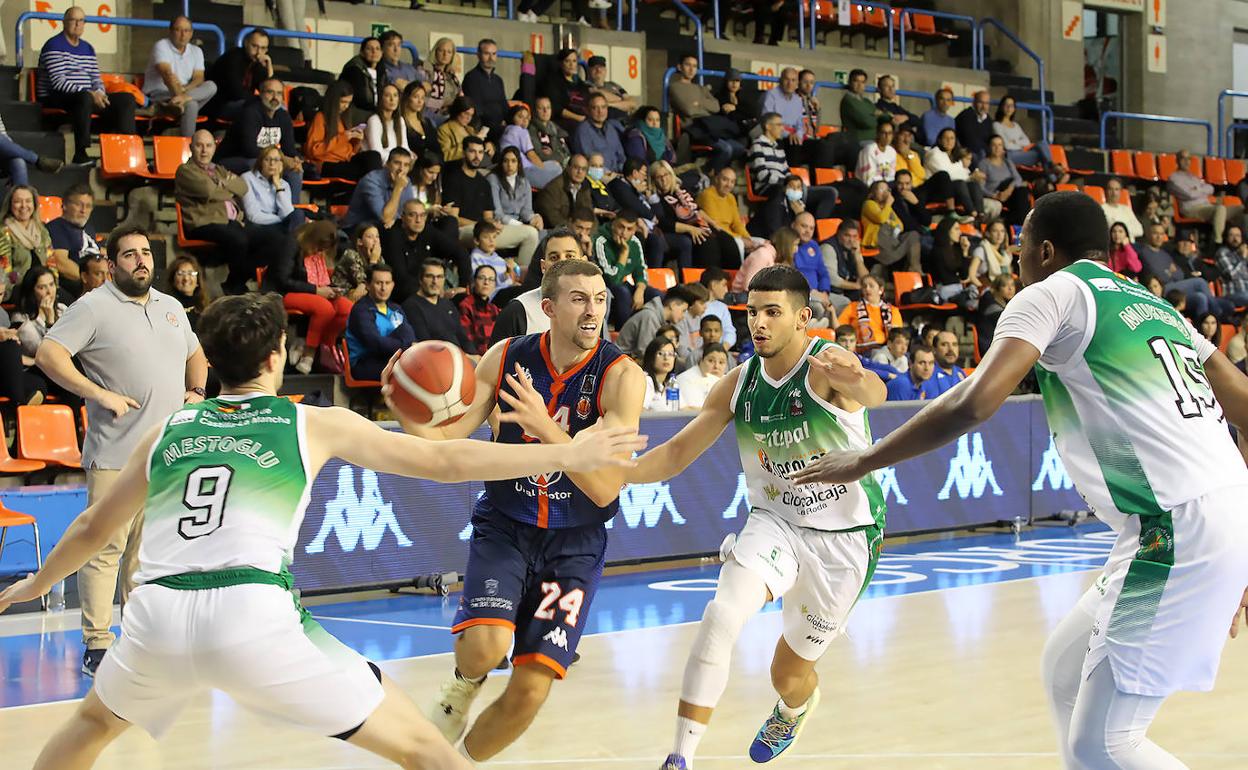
(674, 762)
(450, 713)
(777, 734)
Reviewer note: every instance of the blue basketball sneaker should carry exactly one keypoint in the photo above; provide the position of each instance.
(674, 762)
(777, 734)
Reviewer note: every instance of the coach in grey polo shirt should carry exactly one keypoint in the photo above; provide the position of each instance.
(141, 362)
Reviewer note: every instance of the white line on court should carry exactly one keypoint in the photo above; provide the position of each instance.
(381, 622)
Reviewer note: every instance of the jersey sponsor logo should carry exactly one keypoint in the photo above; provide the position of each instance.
(491, 603)
(887, 479)
(771, 491)
(1052, 471)
(783, 439)
(646, 505)
(541, 486)
(583, 408)
(1104, 284)
(784, 469)
(354, 519)
(821, 624)
(808, 498)
(970, 470)
(1157, 545)
(796, 409)
(183, 416)
(558, 637)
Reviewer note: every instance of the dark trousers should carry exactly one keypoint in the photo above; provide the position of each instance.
(243, 249)
(775, 213)
(117, 116)
(680, 250)
(369, 367)
(940, 187)
(16, 381)
(718, 250)
(359, 165)
(763, 13)
(1017, 206)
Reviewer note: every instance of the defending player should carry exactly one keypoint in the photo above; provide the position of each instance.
(1135, 399)
(817, 547)
(224, 484)
(538, 543)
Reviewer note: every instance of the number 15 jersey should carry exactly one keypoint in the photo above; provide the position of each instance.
(227, 487)
(1130, 407)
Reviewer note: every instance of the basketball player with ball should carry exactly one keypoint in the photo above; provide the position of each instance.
(539, 542)
(224, 485)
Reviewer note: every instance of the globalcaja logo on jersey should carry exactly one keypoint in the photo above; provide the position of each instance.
(783, 439)
(807, 498)
(823, 625)
(1104, 284)
(357, 518)
(1052, 471)
(970, 470)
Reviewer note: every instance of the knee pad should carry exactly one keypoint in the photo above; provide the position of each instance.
(706, 673)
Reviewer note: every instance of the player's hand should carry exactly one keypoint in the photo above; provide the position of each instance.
(841, 368)
(832, 468)
(528, 410)
(600, 447)
(1240, 612)
(116, 403)
(23, 590)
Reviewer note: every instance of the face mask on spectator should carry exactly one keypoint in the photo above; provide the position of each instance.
(793, 195)
(596, 172)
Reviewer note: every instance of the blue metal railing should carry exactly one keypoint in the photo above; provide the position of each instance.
(300, 35)
(1225, 142)
(1105, 118)
(697, 28)
(517, 55)
(978, 59)
(1047, 117)
(20, 42)
(970, 20)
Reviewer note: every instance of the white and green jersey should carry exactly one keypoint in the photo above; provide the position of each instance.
(1130, 407)
(781, 427)
(228, 483)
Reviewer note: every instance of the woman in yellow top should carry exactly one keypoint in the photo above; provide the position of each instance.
(722, 211)
(908, 157)
(458, 127)
(882, 229)
(871, 317)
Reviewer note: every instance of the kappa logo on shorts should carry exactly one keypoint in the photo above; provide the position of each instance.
(558, 637)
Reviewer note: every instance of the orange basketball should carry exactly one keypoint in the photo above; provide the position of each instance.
(433, 383)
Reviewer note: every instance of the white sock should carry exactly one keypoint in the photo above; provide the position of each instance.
(789, 714)
(688, 734)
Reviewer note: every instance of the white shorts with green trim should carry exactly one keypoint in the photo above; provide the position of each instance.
(248, 641)
(820, 575)
(1168, 592)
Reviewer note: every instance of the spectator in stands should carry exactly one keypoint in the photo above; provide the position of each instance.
(597, 178)
(645, 139)
(539, 170)
(564, 88)
(936, 119)
(550, 140)
(716, 282)
(268, 201)
(442, 80)
(1158, 209)
(785, 102)
(303, 275)
(523, 314)
(974, 126)
(385, 129)
(722, 212)
(1122, 256)
(1161, 263)
(617, 250)
(917, 383)
(20, 381)
(811, 109)
(631, 192)
(73, 236)
(877, 160)
(909, 208)
(529, 10)
(809, 261)
(883, 230)
(94, 272)
(772, 11)
(842, 256)
(770, 178)
(992, 255)
(1003, 183)
(422, 137)
(780, 249)
(1210, 329)
(679, 219)
(467, 187)
(485, 87)
(262, 121)
(557, 200)
(908, 158)
(238, 73)
(69, 79)
(367, 77)
(644, 324)
(331, 148)
(398, 72)
(37, 308)
(602, 134)
(951, 180)
(705, 120)
(1237, 346)
(15, 158)
(859, 117)
(175, 80)
(947, 373)
(1116, 211)
(1021, 150)
(658, 361)
(890, 103)
(407, 247)
(183, 284)
(695, 383)
(1232, 260)
(376, 328)
(949, 263)
(1000, 292)
(477, 313)
(427, 181)
(381, 194)
(895, 351)
(351, 268)
(740, 107)
(458, 127)
(485, 252)
(433, 316)
(513, 194)
(1193, 194)
(25, 241)
(619, 103)
(768, 166)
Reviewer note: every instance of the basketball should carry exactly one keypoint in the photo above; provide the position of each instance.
(433, 383)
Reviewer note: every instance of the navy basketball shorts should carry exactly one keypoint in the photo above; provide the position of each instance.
(537, 582)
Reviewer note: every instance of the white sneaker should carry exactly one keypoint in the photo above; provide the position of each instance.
(305, 364)
(450, 713)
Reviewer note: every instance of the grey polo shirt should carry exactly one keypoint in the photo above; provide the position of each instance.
(132, 349)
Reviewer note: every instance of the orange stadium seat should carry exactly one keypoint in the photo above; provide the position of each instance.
(50, 207)
(46, 432)
(661, 278)
(1146, 166)
(170, 152)
(1120, 163)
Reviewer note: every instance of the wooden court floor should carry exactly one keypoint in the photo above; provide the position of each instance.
(944, 680)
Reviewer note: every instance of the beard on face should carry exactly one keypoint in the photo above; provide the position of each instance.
(131, 286)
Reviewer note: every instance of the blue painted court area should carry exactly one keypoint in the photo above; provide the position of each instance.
(42, 668)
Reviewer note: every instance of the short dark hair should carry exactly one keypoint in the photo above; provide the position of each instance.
(113, 245)
(921, 347)
(696, 291)
(709, 318)
(377, 267)
(626, 215)
(389, 35)
(898, 331)
(901, 171)
(401, 152)
(261, 31)
(483, 226)
(476, 273)
(785, 278)
(687, 57)
(855, 72)
(365, 41)
(1176, 297)
(847, 225)
(82, 188)
(677, 294)
(712, 274)
(550, 281)
(240, 332)
(804, 73)
(470, 140)
(558, 232)
(767, 117)
(582, 214)
(714, 347)
(631, 165)
(1073, 222)
(429, 262)
(486, 41)
(844, 329)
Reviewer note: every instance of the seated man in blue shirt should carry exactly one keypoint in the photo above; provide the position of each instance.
(599, 134)
(847, 337)
(380, 194)
(376, 330)
(936, 119)
(916, 383)
(947, 373)
(809, 260)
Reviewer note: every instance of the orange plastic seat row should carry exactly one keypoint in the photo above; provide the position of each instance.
(46, 433)
(123, 155)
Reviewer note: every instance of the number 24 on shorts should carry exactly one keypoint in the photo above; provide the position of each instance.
(570, 603)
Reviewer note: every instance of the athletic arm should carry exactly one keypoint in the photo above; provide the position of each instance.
(676, 454)
(841, 377)
(91, 529)
(482, 402)
(1230, 386)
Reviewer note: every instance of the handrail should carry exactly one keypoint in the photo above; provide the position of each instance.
(697, 28)
(667, 79)
(909, 13)
(1159, 119)
(989, 21)
(120, 21)
(1224, 132)
(301, 35)
(1047, 116)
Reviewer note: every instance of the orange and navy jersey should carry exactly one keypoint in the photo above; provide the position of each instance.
(574, 400)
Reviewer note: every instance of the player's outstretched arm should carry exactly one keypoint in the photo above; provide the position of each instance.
(677, 453)
(91, 529)
(964, 406)
(848, 378)
(478, 411)
(1230, 386)
(338, 432)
